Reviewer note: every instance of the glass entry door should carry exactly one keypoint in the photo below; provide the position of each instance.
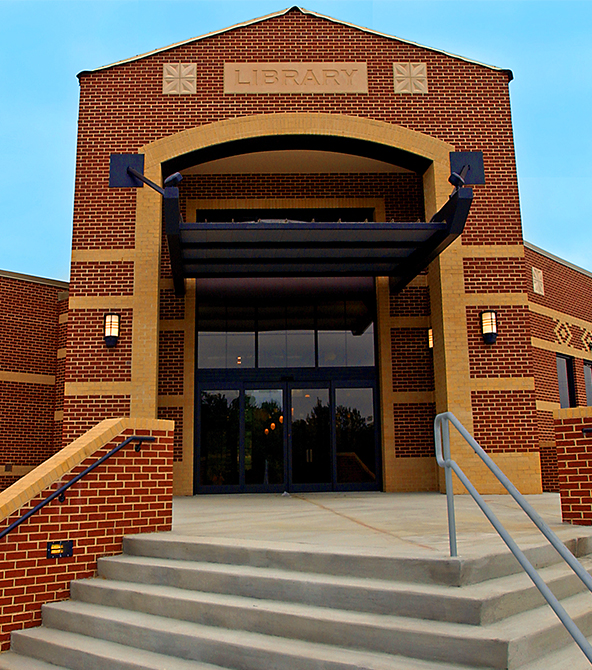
(310, 433)
(287, 436)
(264, 443)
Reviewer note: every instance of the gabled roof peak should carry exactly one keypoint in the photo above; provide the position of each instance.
(282, 13)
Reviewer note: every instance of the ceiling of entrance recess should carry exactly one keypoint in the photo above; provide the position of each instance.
(293, 162)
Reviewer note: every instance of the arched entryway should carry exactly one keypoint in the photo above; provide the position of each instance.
(230, 147)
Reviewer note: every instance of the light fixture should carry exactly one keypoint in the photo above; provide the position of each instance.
(111, 329)
(488, 320)
(430, 338)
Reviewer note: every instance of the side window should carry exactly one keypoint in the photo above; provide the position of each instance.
(588, 381)
(565, 379)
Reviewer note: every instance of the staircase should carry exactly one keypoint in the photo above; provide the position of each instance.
(181, 603)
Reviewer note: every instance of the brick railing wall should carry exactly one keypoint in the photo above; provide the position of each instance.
(574, 463)
(127, 494)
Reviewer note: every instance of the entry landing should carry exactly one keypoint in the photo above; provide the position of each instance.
(403, 524)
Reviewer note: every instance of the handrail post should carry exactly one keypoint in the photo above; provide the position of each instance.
(442, 444)
(449, 487)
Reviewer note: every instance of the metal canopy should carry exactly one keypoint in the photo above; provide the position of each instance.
(298, 251)
(278, 248)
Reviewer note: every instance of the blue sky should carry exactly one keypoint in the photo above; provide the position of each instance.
(45, 43)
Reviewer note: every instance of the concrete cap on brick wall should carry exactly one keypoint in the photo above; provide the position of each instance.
(54, 468)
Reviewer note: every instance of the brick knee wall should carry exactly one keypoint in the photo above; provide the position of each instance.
(129, 493)
(574, 464)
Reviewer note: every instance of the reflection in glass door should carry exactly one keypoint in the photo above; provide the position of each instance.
(355, 436)
(310, 417)
(264, 436)
(275, 436)
(219, 439)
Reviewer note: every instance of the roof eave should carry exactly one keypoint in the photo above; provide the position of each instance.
(282, 13)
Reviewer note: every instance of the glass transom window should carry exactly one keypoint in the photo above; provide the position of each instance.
(337, 334)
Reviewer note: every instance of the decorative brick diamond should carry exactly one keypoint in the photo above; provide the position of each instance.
(179, 78)
(563, 333)
(538, 285)
(410, 77)
(587, 340)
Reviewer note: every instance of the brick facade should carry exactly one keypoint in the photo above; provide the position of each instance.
(31, 371)
(129, 493)
(504, 393)
(574, 463)
(560, 323)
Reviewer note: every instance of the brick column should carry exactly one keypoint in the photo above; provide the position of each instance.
(574, 463)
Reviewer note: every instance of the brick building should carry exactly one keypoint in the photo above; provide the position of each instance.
(291, 348)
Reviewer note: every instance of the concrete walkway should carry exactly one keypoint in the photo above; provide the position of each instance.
(409, 524)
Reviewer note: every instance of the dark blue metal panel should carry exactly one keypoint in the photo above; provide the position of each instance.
(474, 159)
(274, 248)
(119, 177)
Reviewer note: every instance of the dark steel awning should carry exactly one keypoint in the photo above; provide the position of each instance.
(274, 248)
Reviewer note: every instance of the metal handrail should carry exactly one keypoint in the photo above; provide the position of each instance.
(442, 442)
(60, 493)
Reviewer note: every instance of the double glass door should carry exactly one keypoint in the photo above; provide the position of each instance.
(286, 436)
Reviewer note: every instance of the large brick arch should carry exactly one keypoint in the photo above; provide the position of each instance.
(148, 205)
(324, 125)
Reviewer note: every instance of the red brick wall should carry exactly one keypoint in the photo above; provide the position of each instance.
(84, 412)
(30, 326)
(412, 360)
(32, 334)
(414, 429)
(88, 357)
(403, 193)
(170, 370)
(411, 301)
(99, 277)
(561, 282)
(129, 493)
(171, 307)
(567, 324)
(574, 464)
(412, 371)
(26, 423)
(175, 414)
(509, 356)
(493, 275)
(504, 420)
(104, 218)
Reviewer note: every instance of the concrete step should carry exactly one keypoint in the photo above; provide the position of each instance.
(570, 657)
(227, 648)
(476, 604)
(506, 644)
(78, 652)
(10, 660)
(352, 562)
(206, 603)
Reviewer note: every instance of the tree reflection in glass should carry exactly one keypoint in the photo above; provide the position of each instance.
(354, 422)
(219, 435)
(311, 436)
(264, 436)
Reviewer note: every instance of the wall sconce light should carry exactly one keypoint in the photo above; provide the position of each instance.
(111, 329)
(430, 338)
(488, 326)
